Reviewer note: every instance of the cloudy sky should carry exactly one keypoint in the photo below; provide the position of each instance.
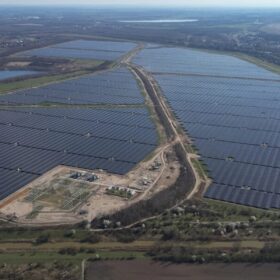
(251, 3)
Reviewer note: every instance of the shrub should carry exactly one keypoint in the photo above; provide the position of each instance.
(91, 238)
(44, 238)
(125, 237)
(68, 251)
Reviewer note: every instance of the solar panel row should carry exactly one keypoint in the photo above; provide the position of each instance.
(97, 45)
(112, 87)
(129, 117)
(250, 154)
(242, 196)
(230, 109)
(34, 140)
(82, 49)
(12, 180)
(82, 128)
(34, 144)
(189, 61)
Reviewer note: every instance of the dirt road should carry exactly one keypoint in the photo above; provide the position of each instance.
(170, 125)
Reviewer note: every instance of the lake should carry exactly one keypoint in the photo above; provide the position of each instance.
(8, 74)
(159, 21)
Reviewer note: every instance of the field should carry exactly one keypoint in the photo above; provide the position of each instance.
(126, 270)
(229, 109)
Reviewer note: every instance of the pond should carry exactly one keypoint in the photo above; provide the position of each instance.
(159, 21)
(8, 74)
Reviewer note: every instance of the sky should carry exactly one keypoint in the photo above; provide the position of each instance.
(199, 3)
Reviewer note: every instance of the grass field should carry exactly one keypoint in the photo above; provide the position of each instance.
(136, 246)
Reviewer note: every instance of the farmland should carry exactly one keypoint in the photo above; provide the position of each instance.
(229, 109)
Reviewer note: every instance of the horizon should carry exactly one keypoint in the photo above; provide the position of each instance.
(125, 6)
(146, 3)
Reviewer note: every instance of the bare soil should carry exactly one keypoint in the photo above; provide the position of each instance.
(56, 187)
(18, 63)
(148, 270)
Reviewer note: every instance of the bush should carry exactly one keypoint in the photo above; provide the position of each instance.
(170, 233)
(68, 251)
(44, 238)
(91, 238)
(69, 233)
(82, 224)
(125, 237)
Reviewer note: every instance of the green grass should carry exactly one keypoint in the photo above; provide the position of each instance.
(31, 234)
(120, 193)
(227, 244)
(122, 255)
(87, 64)
(34, 213)
(50, 257)
(40, 257)
(201, 169)
(239, 212)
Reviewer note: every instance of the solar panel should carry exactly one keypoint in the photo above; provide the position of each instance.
(84, 49)
(230, 109)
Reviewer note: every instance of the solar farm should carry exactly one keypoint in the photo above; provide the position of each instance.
(34, 141)
(109, 126)
(83, 49)
(230, 110)
(97, 122)
(113, 87)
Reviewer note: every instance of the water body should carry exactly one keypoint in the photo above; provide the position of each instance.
(159, 21)
(8, 74)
